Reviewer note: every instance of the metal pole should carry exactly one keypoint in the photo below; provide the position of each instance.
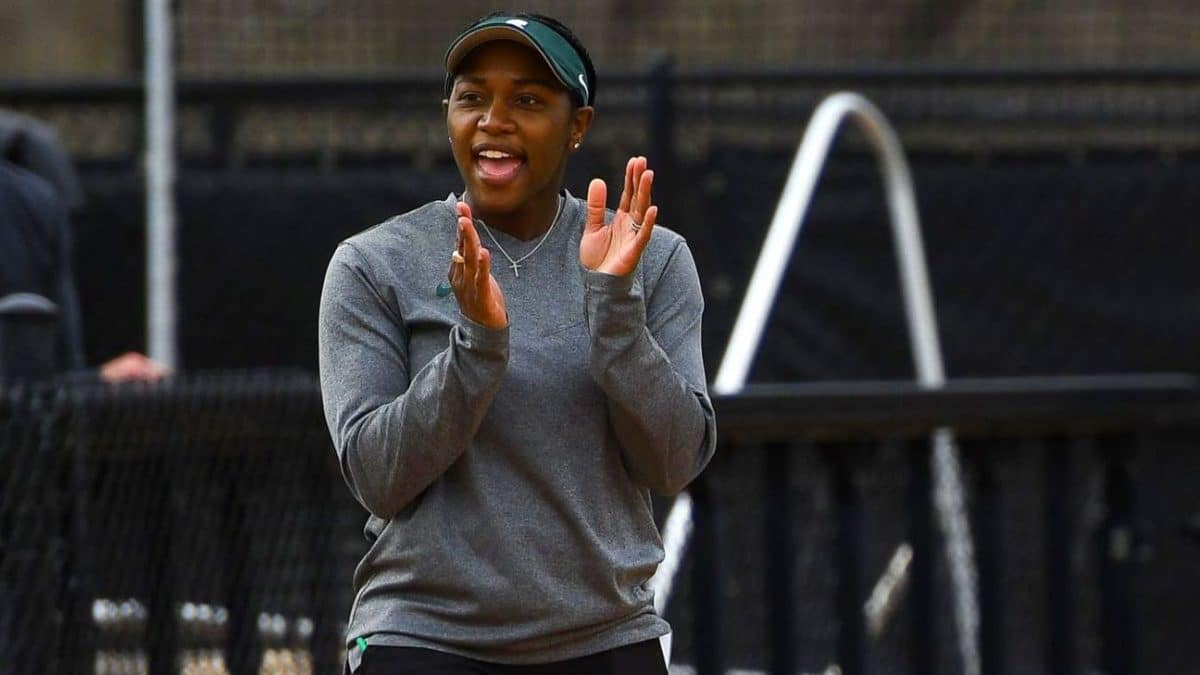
(160, 184)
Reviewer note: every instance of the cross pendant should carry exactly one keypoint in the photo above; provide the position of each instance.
(516, 266)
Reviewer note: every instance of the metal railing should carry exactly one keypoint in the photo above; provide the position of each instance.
(846, 427)
(939, 108)
(777, 251)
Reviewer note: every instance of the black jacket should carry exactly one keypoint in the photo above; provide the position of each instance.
(35, 257)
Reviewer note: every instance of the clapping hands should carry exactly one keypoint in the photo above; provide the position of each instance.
(479, 296)
(611, 248)
(615, 248)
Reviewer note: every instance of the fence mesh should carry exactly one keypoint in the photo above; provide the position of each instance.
(196, 528)
(377, 36)
(222, 38)
(202, 527)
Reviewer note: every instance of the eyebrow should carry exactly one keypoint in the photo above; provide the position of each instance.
(520, 82)
(549, 84)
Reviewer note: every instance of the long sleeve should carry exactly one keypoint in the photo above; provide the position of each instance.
(395, 431)
(646, 357)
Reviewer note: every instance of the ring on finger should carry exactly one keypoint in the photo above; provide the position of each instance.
(456, 258)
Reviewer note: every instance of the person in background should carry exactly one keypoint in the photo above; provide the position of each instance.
(35, 274)
(508, 374)
(35, 146)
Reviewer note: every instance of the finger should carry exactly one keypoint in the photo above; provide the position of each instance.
(463, 209)
(643, 236)
(597, 196)
(646, 180)
(464, 218)
(458, 248)
(639, 168)
(457, 243)
(483, 273)
(627, 191)
(631, 251)
(470, 245)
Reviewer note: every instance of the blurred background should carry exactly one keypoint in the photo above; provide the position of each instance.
(1055, 149)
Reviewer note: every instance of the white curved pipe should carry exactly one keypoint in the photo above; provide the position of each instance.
(922, 326)
(789, 217)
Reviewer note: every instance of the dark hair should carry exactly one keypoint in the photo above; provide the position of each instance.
(569, 36)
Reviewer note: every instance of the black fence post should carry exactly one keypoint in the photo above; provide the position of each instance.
(242, 634)
(325, 638)
(779, 592)
(81, 628)
(921, 535)
(1057, 536)
(135, 44)
(162, 634)
(1118, 632)
(848, 559)
(660, 133)
(985, 512)
(707, 580)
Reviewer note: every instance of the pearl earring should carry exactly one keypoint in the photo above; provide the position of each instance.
(576, 145)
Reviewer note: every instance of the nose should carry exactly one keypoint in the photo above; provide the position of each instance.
(496, 118)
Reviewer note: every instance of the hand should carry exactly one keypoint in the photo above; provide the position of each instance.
(616, 248)
(132, 367)
(479, 296)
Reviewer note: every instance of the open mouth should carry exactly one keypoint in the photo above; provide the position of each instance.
(497, 166)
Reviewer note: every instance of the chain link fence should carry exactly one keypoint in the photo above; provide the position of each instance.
(271, 38)
(376, 36)
(967, 77)
(201, 527)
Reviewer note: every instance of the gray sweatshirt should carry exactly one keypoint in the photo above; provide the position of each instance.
(508, 472)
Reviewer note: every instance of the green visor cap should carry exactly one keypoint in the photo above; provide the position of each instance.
(562, 58)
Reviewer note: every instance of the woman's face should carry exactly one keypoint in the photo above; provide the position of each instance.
(512, 125)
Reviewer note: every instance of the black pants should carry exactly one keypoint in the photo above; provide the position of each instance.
(643, 658)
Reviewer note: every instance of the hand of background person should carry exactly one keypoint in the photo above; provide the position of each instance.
(479, 296)
(132, 367)
(617, 247)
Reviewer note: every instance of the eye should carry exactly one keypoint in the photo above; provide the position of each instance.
(469, 97)
(528, 100)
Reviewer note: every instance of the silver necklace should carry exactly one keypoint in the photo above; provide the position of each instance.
(516, 264)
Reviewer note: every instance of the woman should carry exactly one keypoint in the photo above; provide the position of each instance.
(505, 419)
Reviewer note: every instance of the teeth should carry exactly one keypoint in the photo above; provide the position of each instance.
(494, 154)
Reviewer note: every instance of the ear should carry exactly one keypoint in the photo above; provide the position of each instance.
(581, 121)
(445, 106)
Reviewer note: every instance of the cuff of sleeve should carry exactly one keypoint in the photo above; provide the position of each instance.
(610, 284)
(477, 336)
(615, 309)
